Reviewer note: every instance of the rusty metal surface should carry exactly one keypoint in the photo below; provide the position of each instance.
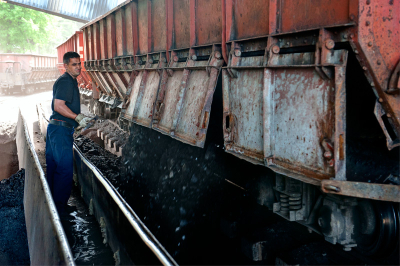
(246, 19)
(300, 133)
(362, 190)
(375, 43)
(181, 24)
(286, 115)
(300, 15)
(158, 26)
(302, 116)
(208, 22)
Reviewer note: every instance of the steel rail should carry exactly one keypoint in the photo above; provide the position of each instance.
(140, 228)
(46, 190)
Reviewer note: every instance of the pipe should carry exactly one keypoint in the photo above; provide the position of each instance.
(143, 232)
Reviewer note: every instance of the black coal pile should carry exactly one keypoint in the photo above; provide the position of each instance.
(186, 195)
(13, 238)
(108, 163)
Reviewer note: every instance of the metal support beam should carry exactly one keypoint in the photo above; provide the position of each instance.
(77, 10)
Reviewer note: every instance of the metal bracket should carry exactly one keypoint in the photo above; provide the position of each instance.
(394, 83)
(379, 113)
(362, 190)
(323, 51)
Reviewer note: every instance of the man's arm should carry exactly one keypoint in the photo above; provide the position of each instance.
(62, 109)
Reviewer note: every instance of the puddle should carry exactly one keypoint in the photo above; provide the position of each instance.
(84, 235)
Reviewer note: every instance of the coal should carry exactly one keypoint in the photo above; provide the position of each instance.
(108, 163)
(13, 238)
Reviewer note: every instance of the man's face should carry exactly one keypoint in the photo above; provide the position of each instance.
(73, 67)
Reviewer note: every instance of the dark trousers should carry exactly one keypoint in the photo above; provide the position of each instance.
(59, 160)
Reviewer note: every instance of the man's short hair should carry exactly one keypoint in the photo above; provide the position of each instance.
(68, 55)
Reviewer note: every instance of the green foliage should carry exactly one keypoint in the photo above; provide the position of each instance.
(24, 30)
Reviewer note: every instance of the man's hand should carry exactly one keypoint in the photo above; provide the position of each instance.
(82, 120)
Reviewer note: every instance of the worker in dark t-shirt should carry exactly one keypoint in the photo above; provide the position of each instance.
(65, 118)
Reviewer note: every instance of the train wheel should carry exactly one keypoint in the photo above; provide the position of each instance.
(379, 234)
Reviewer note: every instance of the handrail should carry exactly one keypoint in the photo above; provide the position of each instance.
(141, 229)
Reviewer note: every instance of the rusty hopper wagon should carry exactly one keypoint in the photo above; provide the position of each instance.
(26, 72)
(75, 44)
(310, 89)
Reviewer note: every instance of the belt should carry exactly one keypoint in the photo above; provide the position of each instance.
(61, 123)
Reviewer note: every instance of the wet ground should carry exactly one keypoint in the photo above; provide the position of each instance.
(83, 234)
(13, 239)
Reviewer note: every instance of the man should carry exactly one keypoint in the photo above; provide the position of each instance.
(65, 118)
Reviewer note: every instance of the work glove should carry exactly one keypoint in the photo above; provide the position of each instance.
(82, 120)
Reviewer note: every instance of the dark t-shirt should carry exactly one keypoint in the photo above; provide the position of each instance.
(66, 88)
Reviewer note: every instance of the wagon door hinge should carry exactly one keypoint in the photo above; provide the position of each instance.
(323, 49)
(234, 59)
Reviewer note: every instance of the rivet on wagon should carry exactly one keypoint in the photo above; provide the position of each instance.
(352, 17)
(372, 84)
(238, 53)
(275, 49)
(150, 61)
(164, 60)
(194, 57)
(329, 44)
(378, 62)
(364, 68)
(344, 36)
(217, 55)
(176, 59)
(380, 100)
(369, 44)
(367, 23)
(356, 51)
(389, 115)
(368, 2)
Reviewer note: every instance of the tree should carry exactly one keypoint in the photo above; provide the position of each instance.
(24, 30)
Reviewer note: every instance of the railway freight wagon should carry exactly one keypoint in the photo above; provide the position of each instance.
(75, 44)
(308, 89)
(26, 72)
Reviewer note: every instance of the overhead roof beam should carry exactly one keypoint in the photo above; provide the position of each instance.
(77, 10)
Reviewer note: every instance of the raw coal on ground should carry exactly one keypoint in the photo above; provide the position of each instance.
(13, 239)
